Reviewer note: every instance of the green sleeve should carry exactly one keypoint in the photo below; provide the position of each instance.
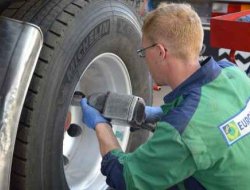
(158, 164)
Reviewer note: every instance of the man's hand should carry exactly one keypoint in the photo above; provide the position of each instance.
(153, 114)
(94, 120)
(91, 117)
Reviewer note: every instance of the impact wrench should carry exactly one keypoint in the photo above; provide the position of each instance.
(120, 108)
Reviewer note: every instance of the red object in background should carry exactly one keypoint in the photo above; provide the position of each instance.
(227, 32)
(223, 8)
(156, 87)
(232, 8)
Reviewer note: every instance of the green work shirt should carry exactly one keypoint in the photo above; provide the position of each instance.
(204, 134)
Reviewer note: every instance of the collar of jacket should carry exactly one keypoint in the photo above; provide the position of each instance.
(208, 71)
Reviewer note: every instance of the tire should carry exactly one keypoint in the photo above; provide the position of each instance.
(77, 35)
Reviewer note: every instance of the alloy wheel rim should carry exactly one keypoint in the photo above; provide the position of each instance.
(106, 72)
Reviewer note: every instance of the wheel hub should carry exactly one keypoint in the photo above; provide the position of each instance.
(81, 156)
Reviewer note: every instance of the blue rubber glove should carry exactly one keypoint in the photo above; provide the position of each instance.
(91, 117)
(153, 114)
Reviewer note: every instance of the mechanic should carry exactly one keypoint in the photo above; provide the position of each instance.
(199, 141)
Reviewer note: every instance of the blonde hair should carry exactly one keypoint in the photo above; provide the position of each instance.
(178, 26)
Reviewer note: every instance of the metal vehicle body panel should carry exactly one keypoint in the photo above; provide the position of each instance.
(20, 47)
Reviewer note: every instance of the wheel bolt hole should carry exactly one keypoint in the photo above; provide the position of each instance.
(78, 95)
(65, 160)
(74, 130)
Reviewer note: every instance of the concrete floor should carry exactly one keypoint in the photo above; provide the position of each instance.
(159, 95)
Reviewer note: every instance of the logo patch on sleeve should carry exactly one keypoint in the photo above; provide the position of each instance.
(237, 127)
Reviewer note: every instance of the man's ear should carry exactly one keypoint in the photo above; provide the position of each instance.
(162, 51)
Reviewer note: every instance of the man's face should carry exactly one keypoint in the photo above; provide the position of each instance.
(152, 60)
(149, 56)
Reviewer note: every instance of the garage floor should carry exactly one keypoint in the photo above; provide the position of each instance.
(158, 95)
